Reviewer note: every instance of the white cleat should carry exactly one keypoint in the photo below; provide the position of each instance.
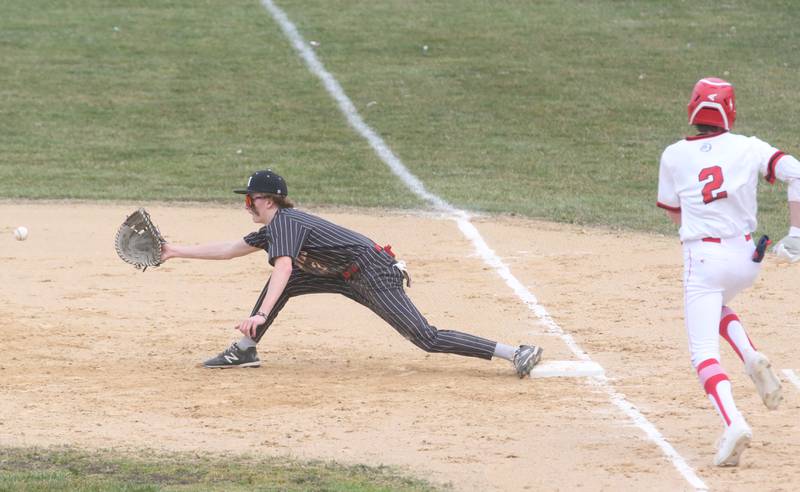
(732, 444)
(767, 383)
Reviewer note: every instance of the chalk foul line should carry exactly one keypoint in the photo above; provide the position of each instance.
(792, 377)
(462, 218)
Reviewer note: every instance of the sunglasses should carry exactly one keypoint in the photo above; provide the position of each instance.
(251, 200)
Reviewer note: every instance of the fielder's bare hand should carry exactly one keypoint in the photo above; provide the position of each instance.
(167, 252)
(249, 326)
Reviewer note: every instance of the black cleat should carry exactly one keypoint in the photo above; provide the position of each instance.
(233, 356)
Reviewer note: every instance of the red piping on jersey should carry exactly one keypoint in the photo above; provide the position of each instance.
(773, 161)
(706, 135)
(667, 207)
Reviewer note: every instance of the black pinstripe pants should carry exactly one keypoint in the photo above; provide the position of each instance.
(379, 287)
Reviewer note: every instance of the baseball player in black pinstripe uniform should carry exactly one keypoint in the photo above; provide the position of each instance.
(312, 255)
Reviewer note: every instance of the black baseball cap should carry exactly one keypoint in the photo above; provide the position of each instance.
(265, 182)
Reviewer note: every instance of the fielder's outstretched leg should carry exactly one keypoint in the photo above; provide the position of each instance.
(396, 308)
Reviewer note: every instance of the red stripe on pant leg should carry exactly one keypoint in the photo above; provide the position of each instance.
(724, 322)
(723, 331)
(706, 363)
(711, 389)
(711, 374)
(711, 384)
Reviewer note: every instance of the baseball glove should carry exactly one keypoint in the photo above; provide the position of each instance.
(138, 241)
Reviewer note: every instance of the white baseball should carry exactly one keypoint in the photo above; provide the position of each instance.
(21, 233)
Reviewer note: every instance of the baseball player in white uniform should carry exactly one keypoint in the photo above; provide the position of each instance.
(707, 184)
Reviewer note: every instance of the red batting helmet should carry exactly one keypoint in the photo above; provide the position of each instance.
(713, 103)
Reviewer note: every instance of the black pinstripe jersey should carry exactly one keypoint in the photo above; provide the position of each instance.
(315, 245)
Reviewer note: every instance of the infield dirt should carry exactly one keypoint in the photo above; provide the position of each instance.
(99, 355)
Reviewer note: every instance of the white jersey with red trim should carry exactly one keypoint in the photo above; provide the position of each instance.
(712, 181)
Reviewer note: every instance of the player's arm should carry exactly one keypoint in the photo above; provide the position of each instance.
(277, 283)
(212, 251)
(674, 216)
(667, 196)
(787, 168)
(788, 248)
(794, 202)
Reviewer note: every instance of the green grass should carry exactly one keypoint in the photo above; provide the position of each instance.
(33, 469)
(104, 100)
(556, 109)
(550, 109)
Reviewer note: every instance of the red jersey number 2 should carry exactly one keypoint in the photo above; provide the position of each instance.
(715, 173)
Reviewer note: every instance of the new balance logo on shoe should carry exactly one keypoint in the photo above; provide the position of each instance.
(233, 357)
